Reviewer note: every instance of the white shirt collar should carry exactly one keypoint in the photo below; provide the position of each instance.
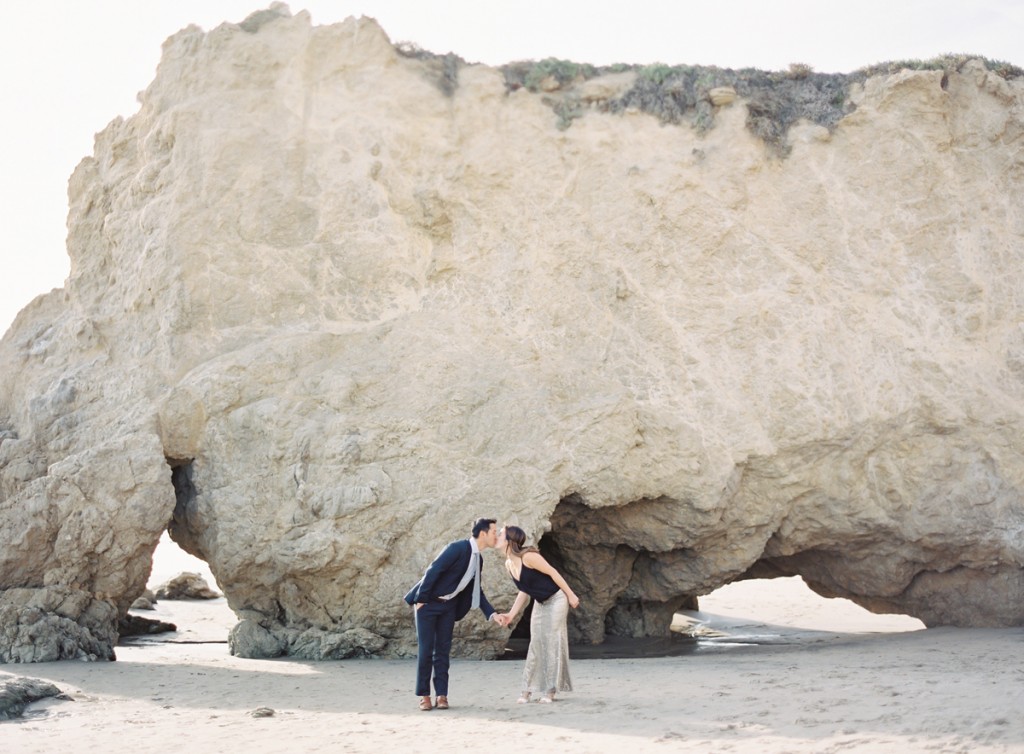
(473, 545)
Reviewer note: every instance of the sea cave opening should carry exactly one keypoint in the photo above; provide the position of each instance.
(631, 602)
(182, 601)
(785, 605)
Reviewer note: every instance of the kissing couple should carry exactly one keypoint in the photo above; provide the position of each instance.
(451, 586)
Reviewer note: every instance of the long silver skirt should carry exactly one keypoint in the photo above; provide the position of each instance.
(547, 660)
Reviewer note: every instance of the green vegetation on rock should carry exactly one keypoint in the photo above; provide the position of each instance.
(679, 94)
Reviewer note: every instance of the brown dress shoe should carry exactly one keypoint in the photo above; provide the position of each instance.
(425, 704)
(442, 702)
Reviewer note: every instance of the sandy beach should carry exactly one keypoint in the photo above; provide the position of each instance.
(779, 670)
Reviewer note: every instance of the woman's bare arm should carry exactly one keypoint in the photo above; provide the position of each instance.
(521, 599)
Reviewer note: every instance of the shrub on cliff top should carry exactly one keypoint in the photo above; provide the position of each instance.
(948, 62)
(679, 94)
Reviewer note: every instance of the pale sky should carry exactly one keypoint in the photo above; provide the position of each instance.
(70, 66)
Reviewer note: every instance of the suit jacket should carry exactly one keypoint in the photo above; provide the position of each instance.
(443, 576)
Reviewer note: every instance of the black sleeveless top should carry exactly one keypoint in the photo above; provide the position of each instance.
(535, 583)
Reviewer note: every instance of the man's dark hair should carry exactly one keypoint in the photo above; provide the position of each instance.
(481, 525)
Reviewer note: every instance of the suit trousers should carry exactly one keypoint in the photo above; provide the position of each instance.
(435, 622)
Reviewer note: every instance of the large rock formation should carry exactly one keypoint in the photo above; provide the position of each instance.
(330, 301)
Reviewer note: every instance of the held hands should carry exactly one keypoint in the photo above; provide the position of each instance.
(502, 619)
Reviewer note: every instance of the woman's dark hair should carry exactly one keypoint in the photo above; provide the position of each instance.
(516, 539)
(481, 525)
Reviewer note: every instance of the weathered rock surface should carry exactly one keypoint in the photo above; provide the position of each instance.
(137, 625)
(16, 694)
(328, 303)
(55, 623)
(146, 601)
(186, 586)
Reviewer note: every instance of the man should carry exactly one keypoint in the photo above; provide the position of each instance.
(449, 588)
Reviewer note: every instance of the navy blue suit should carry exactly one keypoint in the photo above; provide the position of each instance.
(435, 620)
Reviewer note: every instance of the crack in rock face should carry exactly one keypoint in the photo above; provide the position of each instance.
(330, 301)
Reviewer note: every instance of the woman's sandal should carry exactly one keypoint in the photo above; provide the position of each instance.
(523, 698)
(548, 698)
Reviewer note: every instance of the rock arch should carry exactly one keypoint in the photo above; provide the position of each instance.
(369, 308)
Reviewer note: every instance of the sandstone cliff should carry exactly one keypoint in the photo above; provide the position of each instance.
(330, 301)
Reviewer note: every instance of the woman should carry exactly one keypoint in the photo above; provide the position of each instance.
(547, 660)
